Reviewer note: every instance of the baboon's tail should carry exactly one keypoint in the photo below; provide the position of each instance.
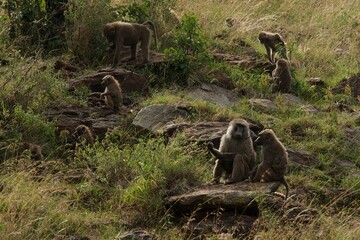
(152, 26)
(283, 181)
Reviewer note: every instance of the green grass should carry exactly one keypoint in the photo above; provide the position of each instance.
(124, 178)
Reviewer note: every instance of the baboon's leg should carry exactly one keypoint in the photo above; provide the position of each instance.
(133, 52)
(109, 101)
(238, 171)
(268, 52)
(272, 55)
(145, 46)
(218, 170)
(259, 172)
(119, 45)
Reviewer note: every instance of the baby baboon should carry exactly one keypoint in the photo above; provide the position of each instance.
(274, 160)
(282, 76)
(83, 134)
(130, 34)
(113, 93)
(34, 150)
(273, 43)
(237, 145)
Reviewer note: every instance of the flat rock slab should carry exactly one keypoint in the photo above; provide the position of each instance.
(233, 196)
(214, 94)
(353, 135)
(293, 100)
(302, 158)
(154, 117)
(265, 105)
(205, 131)
(68, 118)
(248, 62)
(129, 81)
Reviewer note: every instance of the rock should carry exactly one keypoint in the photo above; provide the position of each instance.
(290, 99)
(265, 105)
(354, 84)
(223, 80)
(129, 81)
(353, 135)
(135, 235)
(302, 158)
(206, 131)
(317, 82)
(154, 57)
(247, 62)
(228, 223)
(214, 94)
(238, 196)
(154, 117)
(71, 116)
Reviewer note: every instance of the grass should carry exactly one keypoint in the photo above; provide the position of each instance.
(121, 181)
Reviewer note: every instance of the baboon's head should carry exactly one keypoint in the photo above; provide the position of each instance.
(109, 32)
(238, 129)
(35, 151)
(265, 136)
(79, 131)
(282, 63)
(107, 80)
(262, 36)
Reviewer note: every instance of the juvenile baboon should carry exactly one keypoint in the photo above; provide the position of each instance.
(83, 134)
(113, 94)
(273, 43)
(130, 34)
(235, 145)
(273, 165)
(34, 149)
(281, 76)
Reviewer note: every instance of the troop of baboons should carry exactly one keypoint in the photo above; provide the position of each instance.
(236, 157)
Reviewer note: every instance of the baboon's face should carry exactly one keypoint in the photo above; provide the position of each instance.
(237, 130)
(106, 81)
(79, 131)
(263, 137)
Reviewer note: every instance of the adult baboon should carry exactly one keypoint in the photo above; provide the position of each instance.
(34, 150)
(237, 157)
(273, 165)
(273, 43)
(83, 134)
(281, 76)
(113, 93)
(130, 34)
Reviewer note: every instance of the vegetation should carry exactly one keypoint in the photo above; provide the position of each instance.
(121, 181)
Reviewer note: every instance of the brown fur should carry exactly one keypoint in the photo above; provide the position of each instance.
(282, 76)
(130, 34)
(237, 141)
(273, 43)
(83, 134)
(113, 93)
(274, 160)
(34, 149)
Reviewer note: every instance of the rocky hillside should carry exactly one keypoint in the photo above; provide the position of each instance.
(147, 173)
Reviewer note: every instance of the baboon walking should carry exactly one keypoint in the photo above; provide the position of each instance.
(273, 43)
(83, 134)
(130, 34)
(236, 156)
(274, 160)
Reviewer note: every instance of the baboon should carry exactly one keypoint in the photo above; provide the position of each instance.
(83, 134)
(273, 43)
(236, 155)
(130, 34)
(281, 76)
(113, 94)
(273, 165)
(34, 150)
